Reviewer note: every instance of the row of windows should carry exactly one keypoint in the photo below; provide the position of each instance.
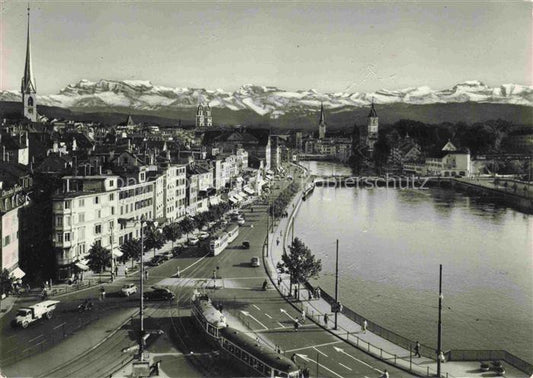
(250, 360)
(135, 192)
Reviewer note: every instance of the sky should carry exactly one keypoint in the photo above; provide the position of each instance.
(328, 46)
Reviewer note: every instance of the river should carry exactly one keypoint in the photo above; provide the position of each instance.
(391, 243)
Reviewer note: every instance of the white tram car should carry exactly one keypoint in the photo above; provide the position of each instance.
(220, 241)
(259, 360)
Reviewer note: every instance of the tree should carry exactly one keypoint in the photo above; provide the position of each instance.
(300, 263)
(6, 282)
(99, 258)
(153, 238)
(131, 249)
(172, 232)
(187, 225)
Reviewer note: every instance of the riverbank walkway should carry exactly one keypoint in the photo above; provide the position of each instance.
(351, 331)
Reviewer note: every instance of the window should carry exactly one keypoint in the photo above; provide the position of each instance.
(121, 210)
(96, 200)
(111, 225)
(6, 240)
(98, 229)
(112, 210)
(81, 233)
(121, 240)
(111, 183)
(81, 217)
(98, 242)
(112, 195)
(67, 236)
(81, 202)
(59, 221)
(30, 101)
(99, 214)
(67, 220)
(59, 237)
(67, 204)
(111, 240)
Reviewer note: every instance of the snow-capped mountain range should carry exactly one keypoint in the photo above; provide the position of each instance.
(265, 101)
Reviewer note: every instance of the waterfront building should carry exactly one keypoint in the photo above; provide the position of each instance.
(28, 88)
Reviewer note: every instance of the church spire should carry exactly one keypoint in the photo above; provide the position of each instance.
(372, 110)
(28, 82)
(28, 87)
(322, 115)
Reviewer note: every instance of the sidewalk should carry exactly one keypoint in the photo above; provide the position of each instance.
(352, 333)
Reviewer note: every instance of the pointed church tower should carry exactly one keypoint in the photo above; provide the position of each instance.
(28, 88)
(200, 117)
(373, 124)
(322, 123)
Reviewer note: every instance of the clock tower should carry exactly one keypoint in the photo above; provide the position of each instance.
(28, 88)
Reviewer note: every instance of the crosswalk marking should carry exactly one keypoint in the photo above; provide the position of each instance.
(344, 366)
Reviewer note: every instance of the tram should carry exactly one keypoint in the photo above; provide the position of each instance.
(258, 360)
(221, 240)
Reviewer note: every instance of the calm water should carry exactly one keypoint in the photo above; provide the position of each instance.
(391, 243)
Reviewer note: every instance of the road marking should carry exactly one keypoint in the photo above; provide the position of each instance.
(314, 346)
(286, 313)
(245, 313)
(303, 356)
(270, 317)
(257, 307)
(35, 338)
(61, 325)
(356, 359)
(322, 353)
(344, 366)
(282, 326)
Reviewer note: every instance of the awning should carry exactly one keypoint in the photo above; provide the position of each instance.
(243, 195)
(233, 200)
(117, 253)
(248, 190)
(18, 273)
(238, 197)
(82, 266)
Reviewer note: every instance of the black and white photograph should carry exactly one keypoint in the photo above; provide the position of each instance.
(284, 189)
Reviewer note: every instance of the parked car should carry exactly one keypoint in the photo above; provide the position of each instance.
(178, 249)
(128, 289)
(246, 244)
(255, 262)
(241, 221)
(203, 235)
(157, 260)
(167, 255)
(205, 228)
(159, 294)
(193, 240)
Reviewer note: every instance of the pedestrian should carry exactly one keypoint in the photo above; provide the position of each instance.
(145, 274)
(295, 293)
(293, 357)
(251, 209)
(306, 373)
(116, 271)
(417, 349)
(102, 293)
(310, 294)
(441, 357)
(277, 241)
(326, 319)
(296, 325)
(279, 280)
(303, 316)
(126, 272)
(318, 293)
(385, 374)
(365, 324)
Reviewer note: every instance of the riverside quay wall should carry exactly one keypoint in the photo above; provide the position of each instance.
(513, 193)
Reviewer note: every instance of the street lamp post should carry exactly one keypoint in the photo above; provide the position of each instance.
(336, 284)
(141, 303)
(439, 332)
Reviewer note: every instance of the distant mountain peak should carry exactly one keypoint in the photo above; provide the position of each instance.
(141, 95)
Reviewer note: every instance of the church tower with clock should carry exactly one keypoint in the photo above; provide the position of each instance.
(28, 88)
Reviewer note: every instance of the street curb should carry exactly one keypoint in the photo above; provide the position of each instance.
(293, 214)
